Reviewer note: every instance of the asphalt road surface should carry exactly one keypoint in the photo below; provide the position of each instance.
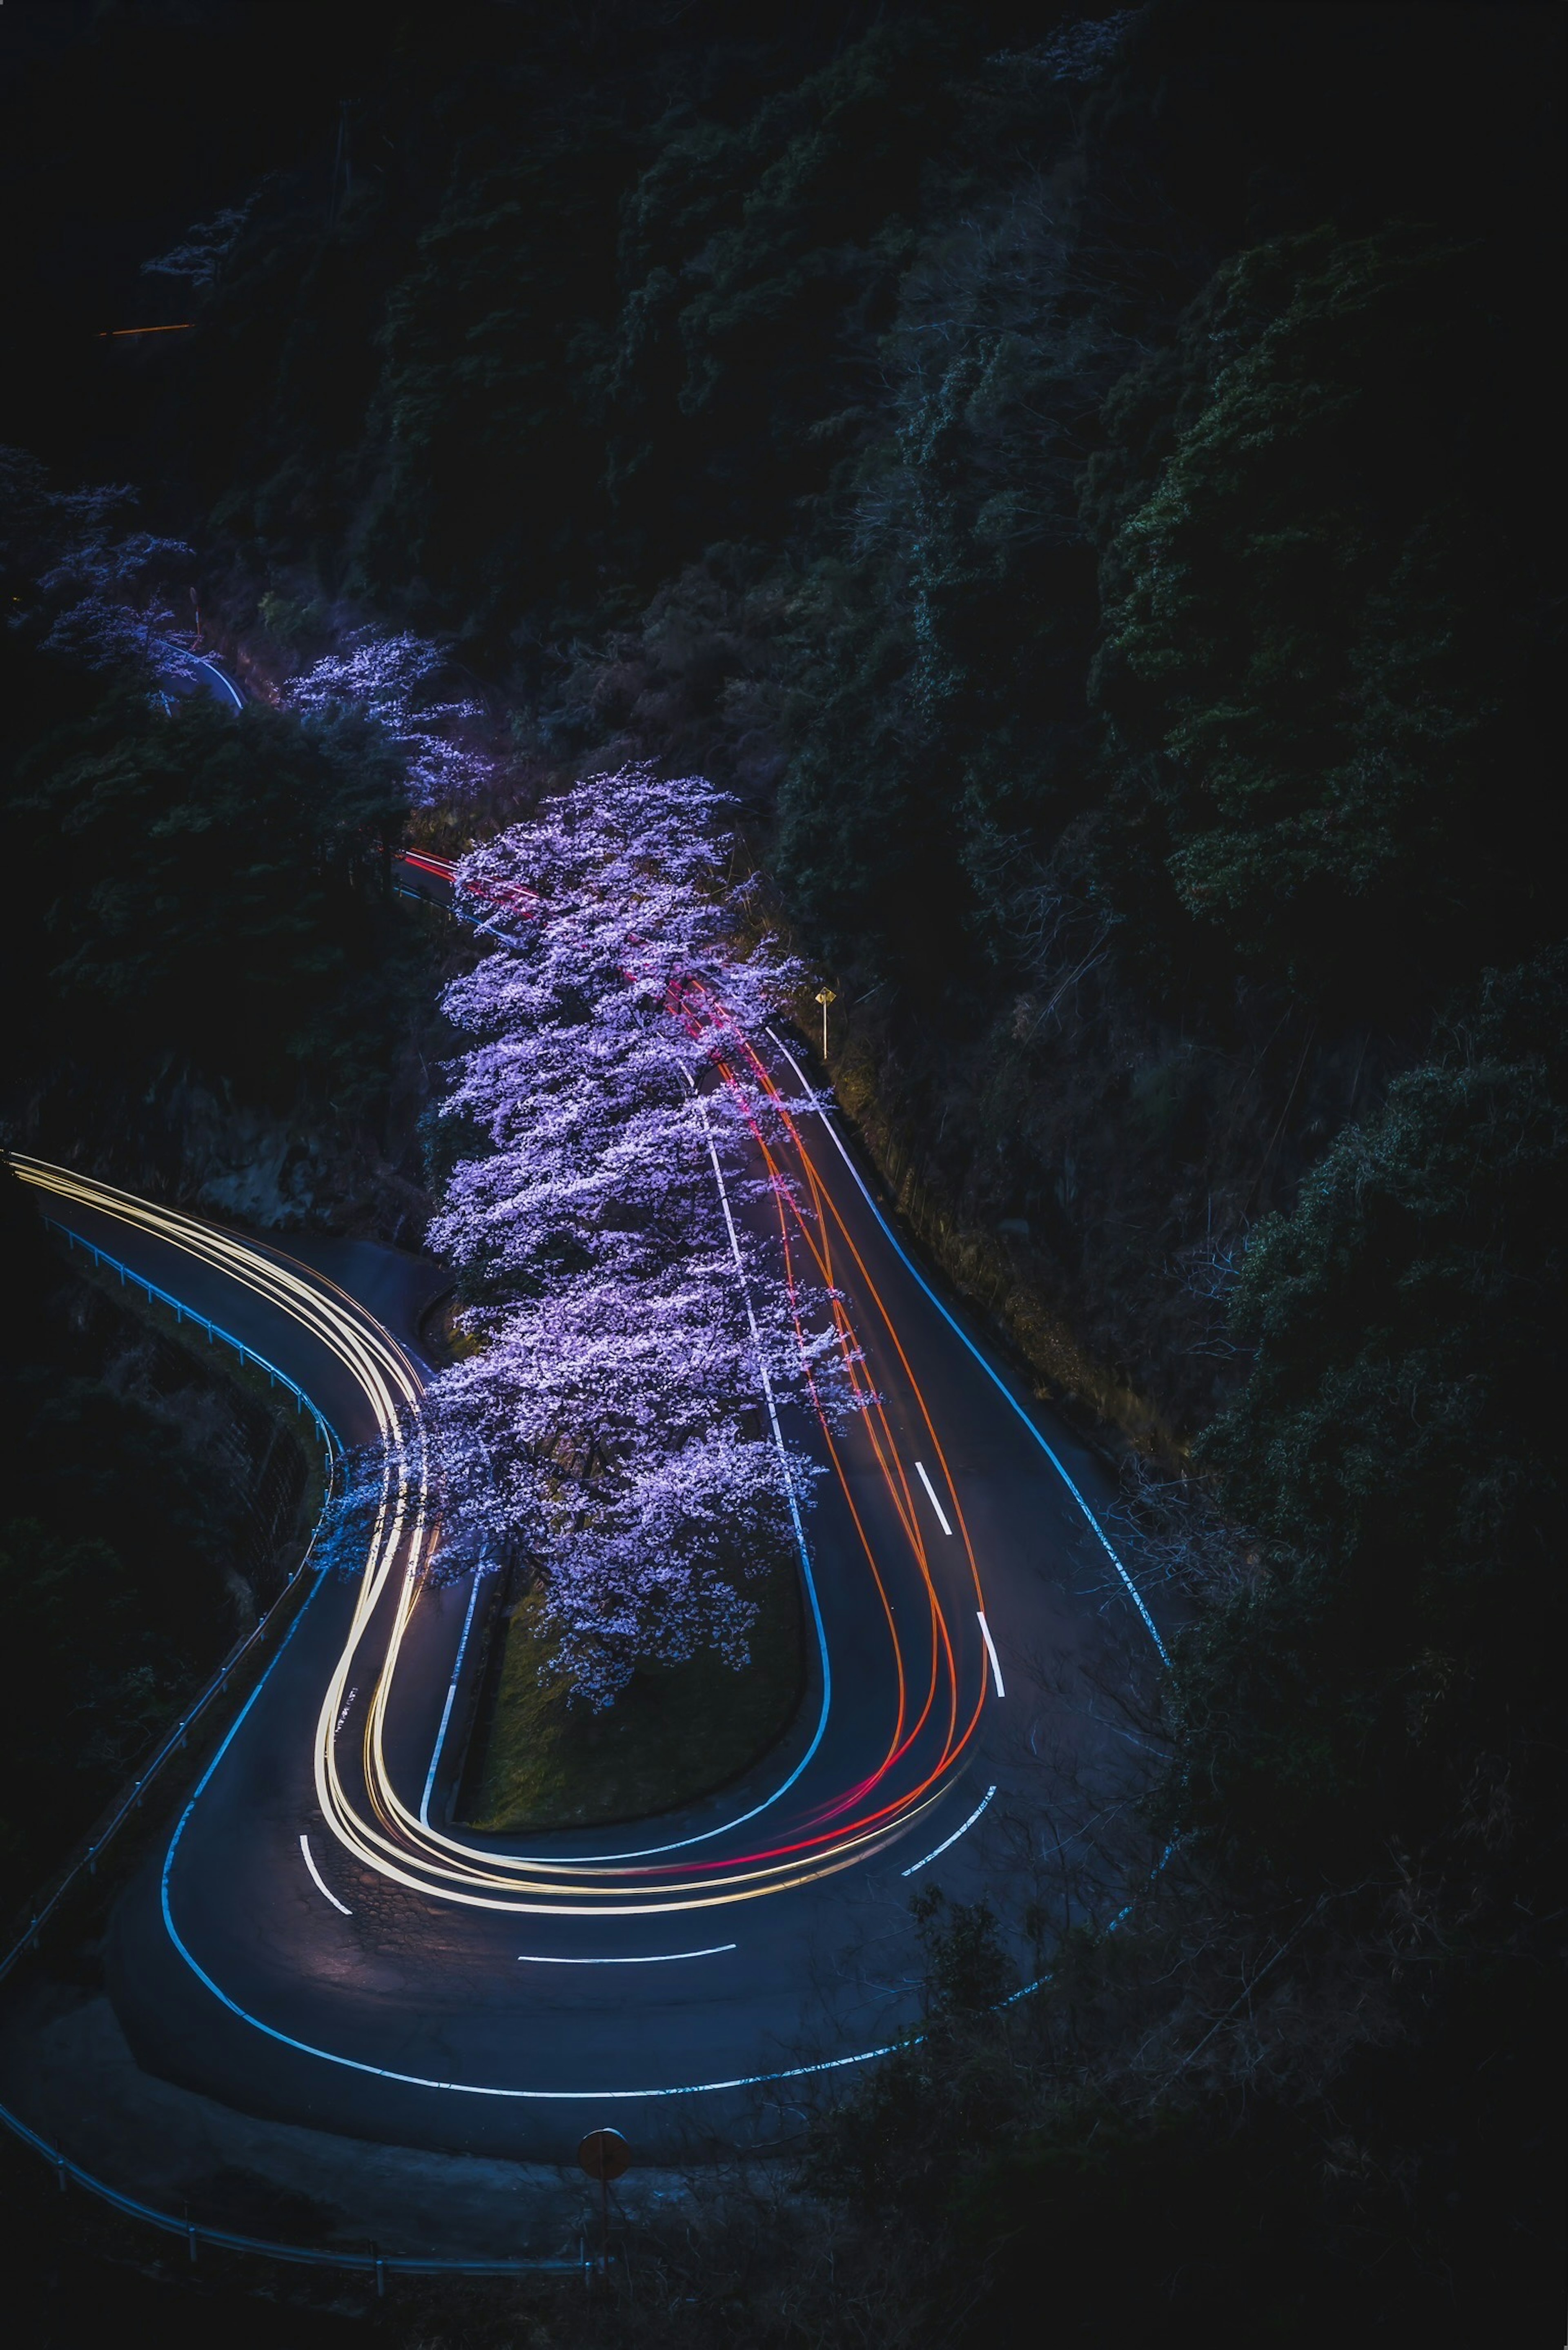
(321, 1941)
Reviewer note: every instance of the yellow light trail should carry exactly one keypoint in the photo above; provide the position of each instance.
(395, 1843)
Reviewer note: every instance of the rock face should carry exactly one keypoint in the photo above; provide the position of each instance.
(195, 1143)
(267, 1171)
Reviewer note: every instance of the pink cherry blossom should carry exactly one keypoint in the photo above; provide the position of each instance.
(389, 678)
(638, 1323)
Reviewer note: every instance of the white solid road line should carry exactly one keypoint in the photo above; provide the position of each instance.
(321, 1886)
(956, 1833)
(654, 1958)
(235, 696)
(1134, 1594)
(991, 1651)
(446, 1709)
(931, 1491)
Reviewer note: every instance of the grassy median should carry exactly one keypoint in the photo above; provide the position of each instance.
(675, 1734)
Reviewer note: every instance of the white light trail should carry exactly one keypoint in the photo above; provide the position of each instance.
(387, 1835)
(381, 1832)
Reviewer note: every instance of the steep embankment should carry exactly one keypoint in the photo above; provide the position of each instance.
(153, 1507)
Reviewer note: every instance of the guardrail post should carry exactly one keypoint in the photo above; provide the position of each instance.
(60, 2167)
(380, 2272)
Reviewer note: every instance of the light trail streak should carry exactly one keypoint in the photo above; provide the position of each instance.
(415, 2080)
(824, 1210)
(402, 1845)
(1134, 1594)
(235, 696)
(940, 1697)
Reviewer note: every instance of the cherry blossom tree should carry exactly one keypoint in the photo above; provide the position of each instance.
(616, 1425)
(101, 584)
(391, 681)
(200, 255)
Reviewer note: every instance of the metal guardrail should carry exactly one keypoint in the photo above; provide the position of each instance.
(87, 1854)
(183, 1314)
(129, 1801)
(371, 2262)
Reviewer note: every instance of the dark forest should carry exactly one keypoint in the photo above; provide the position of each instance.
(1086, 487)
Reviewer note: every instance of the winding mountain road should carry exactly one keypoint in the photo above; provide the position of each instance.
(321, 1942)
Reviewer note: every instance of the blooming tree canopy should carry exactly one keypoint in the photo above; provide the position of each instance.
(101, 583)
(200, 255)
(389, 678)
(616, 1425)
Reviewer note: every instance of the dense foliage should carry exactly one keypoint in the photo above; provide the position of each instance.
(1303, 2067)
(1080, 481)
(208, 903)
(1091, 489)
(1316, 632)
(1397, 1454)
(213, 897)
(131, 1555)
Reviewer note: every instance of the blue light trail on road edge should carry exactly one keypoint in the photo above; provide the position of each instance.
(417, 2080)
(183, 1313)
(1134, 1594)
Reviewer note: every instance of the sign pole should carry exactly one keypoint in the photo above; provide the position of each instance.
(604, 2153)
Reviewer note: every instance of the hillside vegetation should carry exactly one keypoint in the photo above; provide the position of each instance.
(1089, 486)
